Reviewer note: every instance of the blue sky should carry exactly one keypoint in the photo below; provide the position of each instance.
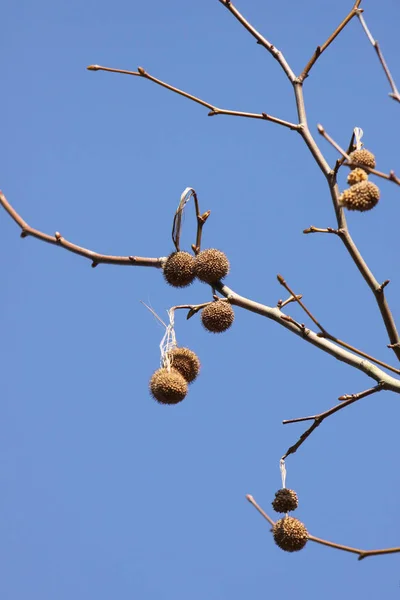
(106, 494)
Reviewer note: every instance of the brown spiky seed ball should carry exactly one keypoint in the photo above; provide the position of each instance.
(217, 316)
(290, 534)
(186, 362)
(363, 157)
(211, 265)
(361, 196)
(179, 269)
(285, 500)
(356, 176)
(168, 387)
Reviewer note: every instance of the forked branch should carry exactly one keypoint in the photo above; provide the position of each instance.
(345, 401)
(361, 553)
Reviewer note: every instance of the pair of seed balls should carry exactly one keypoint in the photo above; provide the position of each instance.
(181, 268)
(210, 266)
(289, 533)
(362, 195)
(169, 385)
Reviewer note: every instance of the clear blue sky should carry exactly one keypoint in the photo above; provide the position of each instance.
(104, 493)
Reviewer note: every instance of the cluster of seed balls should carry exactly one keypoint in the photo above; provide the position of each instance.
(289, 533)
(209, 266)
(169, 385)
(362, 195)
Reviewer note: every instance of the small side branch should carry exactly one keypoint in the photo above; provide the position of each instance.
(261, 39)
(214, 110)
(320, 49)
(58, 240)
(361, 553)
(344, 402)
(324, 333)
(351, 163)
(395, 92)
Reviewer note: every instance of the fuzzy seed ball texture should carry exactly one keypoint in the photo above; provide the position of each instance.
(285, 501)
(211, 265)
(179, 269)
(186, 362)
(356, 176)
(363, 157)
(168, 387)
(290, 534)
(361, 196)
(217, 316)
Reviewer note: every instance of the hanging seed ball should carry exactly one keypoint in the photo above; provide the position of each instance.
(356, 176)
(290, 534)
(285, 500)
(168, 387)
(361, 196)
(363, 157)
(179, 269)
(186, 362)
(211, 265)
(217, 316)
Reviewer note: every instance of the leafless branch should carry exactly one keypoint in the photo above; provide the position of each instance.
(310, 336)
(395, 92)
(324, 333)
(361, 553)
(58, 240)
(320, 49)
(345, 401)
(214, 110)
(261, 39)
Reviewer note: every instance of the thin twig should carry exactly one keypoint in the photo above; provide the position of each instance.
(261, 39)
(351, 163)
(395, 92)
(313, 229)
(324, 333)
(320, 49)
(214, 110)
(322, 416)
(361, 553)
(58, 240)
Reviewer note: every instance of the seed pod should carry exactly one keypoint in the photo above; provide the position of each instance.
(290, 534)
(186, 362)
(285, 501)
(217, 316)
(363, 157)
(356, 176)
(211, 265)
(168, 387)
(179, 269)
(361, 196)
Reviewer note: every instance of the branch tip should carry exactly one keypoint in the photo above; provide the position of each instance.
(93, 68)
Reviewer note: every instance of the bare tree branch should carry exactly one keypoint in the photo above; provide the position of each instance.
(345, 401)
(310, 336)
(324, 333)
(395, 92)
(214, 110)
(261, 39)
(361, 553)
(58, 240)
(320, 49)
